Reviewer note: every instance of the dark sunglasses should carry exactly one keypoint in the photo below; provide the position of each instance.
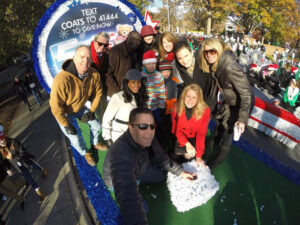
(144, 126)
(100, 44)
(210, 51)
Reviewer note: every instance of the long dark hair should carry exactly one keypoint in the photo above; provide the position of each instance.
(140, 98)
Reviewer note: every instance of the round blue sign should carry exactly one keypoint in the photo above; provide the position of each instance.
(68, 24)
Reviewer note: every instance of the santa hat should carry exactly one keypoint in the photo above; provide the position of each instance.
(253, 66)
(165, 65)
(273, 67)
(2, 136)
(294, 69)
(150, 57)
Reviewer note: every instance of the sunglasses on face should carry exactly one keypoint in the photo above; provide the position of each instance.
(144, 126)
(210, 51)
(101, 44)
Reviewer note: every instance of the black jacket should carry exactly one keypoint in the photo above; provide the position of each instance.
(124, 164)
(235, 86)
(19, 154)
(4, 166)
(204, 80)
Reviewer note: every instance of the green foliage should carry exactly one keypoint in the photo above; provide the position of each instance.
(18, 20)
(277, 19)
(140, 5)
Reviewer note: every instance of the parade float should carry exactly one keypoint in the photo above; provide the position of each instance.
(239, 195)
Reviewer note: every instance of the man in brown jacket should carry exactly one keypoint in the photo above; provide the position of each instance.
(122, 58)
(71, 89)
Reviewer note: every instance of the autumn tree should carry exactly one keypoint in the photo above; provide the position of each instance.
(209, 10)
(274, 18)
(18, 20)
(141, 5)
(162, 15)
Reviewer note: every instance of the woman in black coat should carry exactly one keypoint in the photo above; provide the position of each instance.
(15, 153)
(235, 94)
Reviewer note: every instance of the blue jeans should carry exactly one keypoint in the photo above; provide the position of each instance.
(26, 174)
(36, 95)
(77, 140)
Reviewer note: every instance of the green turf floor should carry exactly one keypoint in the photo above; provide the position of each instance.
(250, 194)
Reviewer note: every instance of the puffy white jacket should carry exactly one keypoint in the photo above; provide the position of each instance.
(117, 110)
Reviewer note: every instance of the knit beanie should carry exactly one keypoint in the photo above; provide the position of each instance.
(165, 65)
(150, 57)
(147, 30)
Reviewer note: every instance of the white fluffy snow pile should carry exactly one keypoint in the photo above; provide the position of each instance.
(186, 194)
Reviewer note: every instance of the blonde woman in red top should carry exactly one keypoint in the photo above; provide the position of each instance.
(190, 119)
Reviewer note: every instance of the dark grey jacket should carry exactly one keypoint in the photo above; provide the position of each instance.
(20, 156)
(124, 164)
(234, 85)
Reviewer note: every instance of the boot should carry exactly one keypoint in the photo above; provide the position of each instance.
(90, 160)
(209, 142)
(44, 173)
(219, 157)
(40, 194)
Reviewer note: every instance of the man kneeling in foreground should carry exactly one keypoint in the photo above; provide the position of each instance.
(136, 157)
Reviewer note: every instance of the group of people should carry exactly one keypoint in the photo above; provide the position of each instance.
(271, 76)
(29, 85)
(154, 97)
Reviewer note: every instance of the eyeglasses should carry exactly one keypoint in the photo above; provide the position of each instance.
(144, 126)
(210, 51)
(101, 44)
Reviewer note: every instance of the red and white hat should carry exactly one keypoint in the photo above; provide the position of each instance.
(150, 57)
(294, 69)
(253, 66)
(273, 67)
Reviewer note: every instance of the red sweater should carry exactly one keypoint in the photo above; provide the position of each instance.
(184, 129)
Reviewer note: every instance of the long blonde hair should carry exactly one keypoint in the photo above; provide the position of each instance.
(199, 108)
(212, 43)
(170, 37)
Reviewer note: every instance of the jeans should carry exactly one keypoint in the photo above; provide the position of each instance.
(34, 165)
(77, 140)
(36, 94)
(26, 174)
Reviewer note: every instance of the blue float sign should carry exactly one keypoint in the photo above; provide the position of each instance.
(68, 24)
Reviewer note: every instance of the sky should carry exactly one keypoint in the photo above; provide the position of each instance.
(155, 6)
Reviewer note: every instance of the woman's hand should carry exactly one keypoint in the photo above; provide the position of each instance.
(188, 176)
(200, 162)
(191, 151)
(241, 126)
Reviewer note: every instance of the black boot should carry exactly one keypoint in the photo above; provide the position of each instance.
(219, 157)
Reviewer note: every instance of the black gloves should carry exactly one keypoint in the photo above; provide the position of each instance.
(70, 130)
(109, 142)
(87, 116)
